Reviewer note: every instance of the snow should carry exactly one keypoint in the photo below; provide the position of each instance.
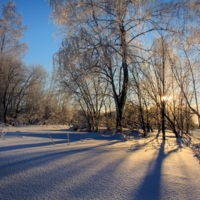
(94, 167)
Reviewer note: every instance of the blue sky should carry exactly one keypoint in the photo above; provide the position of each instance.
(39, 36)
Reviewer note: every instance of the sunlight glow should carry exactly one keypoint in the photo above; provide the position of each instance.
(163, 98)
(166, 98)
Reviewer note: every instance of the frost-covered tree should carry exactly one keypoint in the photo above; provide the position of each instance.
(85, 88)
(11, 32)
(113, 34)
(11, 49)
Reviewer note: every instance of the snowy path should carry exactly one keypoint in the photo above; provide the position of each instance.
(34, 168)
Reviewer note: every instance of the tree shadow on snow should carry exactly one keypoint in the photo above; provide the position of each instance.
(74, 136)
(33, 145)
(36, 160)
(45, 144)
(152, 183)
(55, 138)
(33, 162)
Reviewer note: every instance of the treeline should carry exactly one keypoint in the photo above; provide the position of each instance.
(121, 64)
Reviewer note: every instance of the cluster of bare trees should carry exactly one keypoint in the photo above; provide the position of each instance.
(17, 81)
(24, 94)
(141, 55)
(121, 64)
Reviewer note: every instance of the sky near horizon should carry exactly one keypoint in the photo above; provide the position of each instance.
(39, 36)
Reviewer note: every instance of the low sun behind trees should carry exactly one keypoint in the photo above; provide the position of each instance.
(144, 51)
(121, 64)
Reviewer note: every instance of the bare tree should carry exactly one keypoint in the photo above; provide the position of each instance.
(12, 80)
(86, 88)
(11, 31)
(186, 74)
(136, 83)
(159, 81)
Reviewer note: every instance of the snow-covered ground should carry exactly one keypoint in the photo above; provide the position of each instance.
(38, 163)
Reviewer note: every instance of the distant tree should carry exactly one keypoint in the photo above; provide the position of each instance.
(11, 81)
(36, 96)
(20, 83)
(33, 86)
(86, 88)
(186, 74)
(136, 83)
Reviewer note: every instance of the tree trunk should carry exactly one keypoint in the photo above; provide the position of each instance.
(120, 100)
(173, 126)
(5, 116)
(119, 118)
(122, 97)
(163, 119)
